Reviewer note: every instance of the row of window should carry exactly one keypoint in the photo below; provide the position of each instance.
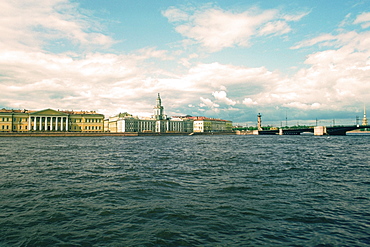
(87, 120)
(8, 127)
(93, 128)
(7, 119)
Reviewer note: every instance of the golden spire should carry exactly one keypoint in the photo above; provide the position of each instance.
(364, 120)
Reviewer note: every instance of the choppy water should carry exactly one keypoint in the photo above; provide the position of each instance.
(185, 191)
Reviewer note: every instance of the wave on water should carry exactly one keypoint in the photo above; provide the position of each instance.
(185, 191)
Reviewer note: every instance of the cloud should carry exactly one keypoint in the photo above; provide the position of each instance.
(32, 24)
(337, 77)
(302, 106)
(276, 28)
(208, 103)
(175, 15)
(152, 52)
(249, 102)
(49, 80)
(215, 28)
(222, 97)
(363, 19)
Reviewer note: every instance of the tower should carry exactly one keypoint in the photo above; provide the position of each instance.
(259, 121)
(364, 120)
(158, 109)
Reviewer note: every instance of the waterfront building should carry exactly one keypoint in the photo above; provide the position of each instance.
(50, 120)
(158, 123)
(205, 124)
(125, 122)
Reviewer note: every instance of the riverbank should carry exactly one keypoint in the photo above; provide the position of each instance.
(96, 134)
(360, 131)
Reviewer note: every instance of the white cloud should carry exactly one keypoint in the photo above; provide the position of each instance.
(364, 19)
(174, 15)
(249, 102)
(31, 24)
(222, 97)
(215, 28)
(295, 17)
(208, 103)
(276, 28)
(302, 106)
(152, 52)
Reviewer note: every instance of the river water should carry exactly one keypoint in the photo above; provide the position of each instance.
(185, 191)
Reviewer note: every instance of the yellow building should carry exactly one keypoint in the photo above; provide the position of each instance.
(50, 120)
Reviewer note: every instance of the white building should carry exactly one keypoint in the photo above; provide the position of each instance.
(158, 123)
(204, 124)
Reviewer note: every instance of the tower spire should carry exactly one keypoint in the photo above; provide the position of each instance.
(259, 121)
(159, 101)
(158, 109)
(364, 120)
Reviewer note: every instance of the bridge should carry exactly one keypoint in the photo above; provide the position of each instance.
(318, 130)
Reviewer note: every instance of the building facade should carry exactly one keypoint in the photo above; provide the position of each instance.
(158, 123)
(50, 120)
(204, 124)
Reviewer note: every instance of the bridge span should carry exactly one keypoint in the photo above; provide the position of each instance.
(318, 130)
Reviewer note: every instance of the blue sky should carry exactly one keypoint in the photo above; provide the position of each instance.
(227, 59)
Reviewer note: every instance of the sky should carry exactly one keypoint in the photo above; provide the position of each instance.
(299, 61)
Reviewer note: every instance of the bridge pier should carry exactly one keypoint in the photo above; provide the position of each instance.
(320, 131)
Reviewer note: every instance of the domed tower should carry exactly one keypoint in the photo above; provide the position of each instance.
(158, 109)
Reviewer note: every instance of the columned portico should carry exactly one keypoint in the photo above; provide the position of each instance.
(50, 120)
(45, 122)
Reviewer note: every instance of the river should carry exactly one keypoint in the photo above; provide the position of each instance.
(185, 191)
